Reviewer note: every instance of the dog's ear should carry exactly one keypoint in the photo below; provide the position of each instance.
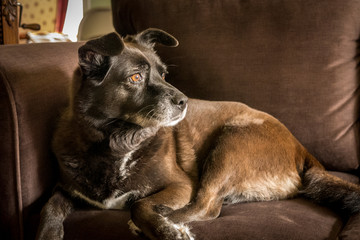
(151, 36)
(94, 56)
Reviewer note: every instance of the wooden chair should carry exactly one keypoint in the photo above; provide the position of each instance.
(9, 23)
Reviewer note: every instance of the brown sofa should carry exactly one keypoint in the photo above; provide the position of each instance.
(298, 60)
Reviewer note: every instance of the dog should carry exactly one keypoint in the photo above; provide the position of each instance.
(129, 139)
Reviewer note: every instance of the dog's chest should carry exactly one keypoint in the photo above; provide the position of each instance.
(115, 181)
(112, 180)
(126, 164)
(121, 200)
(117, 200)
(112, 184)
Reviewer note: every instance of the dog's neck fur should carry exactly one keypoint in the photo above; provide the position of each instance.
(127, 137)
(123, 137)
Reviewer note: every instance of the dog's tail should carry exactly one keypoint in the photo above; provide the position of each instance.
(328, 190)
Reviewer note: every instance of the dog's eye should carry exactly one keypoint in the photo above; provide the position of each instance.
(136, 77)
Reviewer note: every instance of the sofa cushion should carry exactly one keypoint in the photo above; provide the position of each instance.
(295, 219)
(295, 59)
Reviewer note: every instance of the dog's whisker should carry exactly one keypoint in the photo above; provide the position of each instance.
(111, 122)
(152, 111)
(152, 106)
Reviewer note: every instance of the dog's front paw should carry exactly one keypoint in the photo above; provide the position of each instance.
(171, 231)
(53, 233)
(134, 229)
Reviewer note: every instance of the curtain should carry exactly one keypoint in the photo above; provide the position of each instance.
(60, 15)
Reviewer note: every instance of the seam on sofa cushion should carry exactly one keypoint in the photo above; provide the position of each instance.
(17, 150)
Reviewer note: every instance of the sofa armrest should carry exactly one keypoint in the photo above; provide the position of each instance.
(33, 90)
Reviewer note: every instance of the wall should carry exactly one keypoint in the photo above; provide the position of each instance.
(88, 4)
(42, 12)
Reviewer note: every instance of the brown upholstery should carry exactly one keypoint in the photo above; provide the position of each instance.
(294, 59)
(247, 221)
(297, 60)
(34, 81)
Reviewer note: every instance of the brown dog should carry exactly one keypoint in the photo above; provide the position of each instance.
(125, 141)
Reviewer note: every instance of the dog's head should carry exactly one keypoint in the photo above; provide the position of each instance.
(124, 79)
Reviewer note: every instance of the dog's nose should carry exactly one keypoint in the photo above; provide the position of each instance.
(180, 100)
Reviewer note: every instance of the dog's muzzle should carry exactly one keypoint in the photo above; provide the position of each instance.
(179, 103)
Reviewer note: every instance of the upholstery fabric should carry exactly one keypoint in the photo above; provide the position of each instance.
(296, 60)
(297, 219)
(34, 81)
(351, 231)
(247, 221)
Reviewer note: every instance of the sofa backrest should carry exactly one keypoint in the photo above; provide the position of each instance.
(297, 60)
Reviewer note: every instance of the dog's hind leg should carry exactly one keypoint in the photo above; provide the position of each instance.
(215, 184)
(53, 215)
(206, 205)
(244, 165)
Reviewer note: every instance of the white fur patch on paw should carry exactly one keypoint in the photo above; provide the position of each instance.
(182, 228)
(185, 230)
(133, 228)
